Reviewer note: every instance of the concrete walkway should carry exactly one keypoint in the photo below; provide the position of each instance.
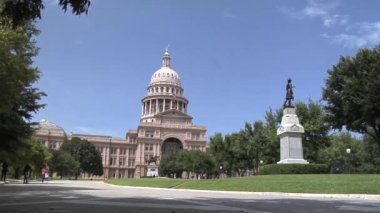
(96, 196)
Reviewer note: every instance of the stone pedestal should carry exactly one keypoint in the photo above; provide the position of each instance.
(290, 133)
(152, 170)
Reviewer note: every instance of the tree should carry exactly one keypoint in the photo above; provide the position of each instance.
(271, 150)
(370, 155)
(313, 118)
(352, 93)
(18, 98)
(63, 163)
(85, 153)
(217, 148)
(198, 162)
(22, 11)
(232, 152)
(31, 151)
(336, 155)
(255, 140)
(170, 165)
(90, 159)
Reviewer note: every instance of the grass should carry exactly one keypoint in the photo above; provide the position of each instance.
(149, 182)
(326, 184)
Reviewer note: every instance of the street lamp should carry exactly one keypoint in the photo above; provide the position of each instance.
(258, 169)
(220, 171)
(348, 151)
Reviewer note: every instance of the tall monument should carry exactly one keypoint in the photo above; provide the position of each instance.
(290, 132)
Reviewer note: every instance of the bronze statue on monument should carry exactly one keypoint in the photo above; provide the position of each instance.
(289, 94)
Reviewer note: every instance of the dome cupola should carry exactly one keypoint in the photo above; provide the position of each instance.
(165, 75)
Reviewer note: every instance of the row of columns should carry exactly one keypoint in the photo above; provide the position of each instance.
(148, 109)
(165, 90)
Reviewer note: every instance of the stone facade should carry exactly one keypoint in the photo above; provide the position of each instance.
(165, 127)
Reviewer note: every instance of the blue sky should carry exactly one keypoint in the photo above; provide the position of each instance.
(234, 57)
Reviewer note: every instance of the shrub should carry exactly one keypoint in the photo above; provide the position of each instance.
(273, 169)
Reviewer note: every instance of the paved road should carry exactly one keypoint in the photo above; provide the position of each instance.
(96, 197)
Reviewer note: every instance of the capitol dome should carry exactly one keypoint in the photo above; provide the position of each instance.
(164, 92)
(165, 75)
(45, 126)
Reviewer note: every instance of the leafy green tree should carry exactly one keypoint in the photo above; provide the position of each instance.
(18, 98)
(232, 152)
(40, 155)
(230, 161)
(187, 161)
(352, 93)
(63, 163)
(336, 155)
(254, 142)
(198, 162)
(171, 165)
(313, 118)
(32, 152)
(271, 150)
(22, 11)
(90, 159)
(218, 149)
(85, 153)
(370, 156)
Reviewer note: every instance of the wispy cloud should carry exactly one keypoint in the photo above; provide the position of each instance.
(352, 35)
(229, 14)
(89, 130)
(359, 35)
(325, 11)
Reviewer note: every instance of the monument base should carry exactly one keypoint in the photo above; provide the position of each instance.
(292, 161)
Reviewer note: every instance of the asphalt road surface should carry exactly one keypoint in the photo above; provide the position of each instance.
(94, 196)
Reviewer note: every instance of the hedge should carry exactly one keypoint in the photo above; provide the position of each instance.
(272, 169)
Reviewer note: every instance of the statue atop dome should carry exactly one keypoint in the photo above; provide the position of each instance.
(289, 94)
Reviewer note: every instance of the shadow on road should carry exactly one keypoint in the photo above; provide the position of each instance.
(53, 197)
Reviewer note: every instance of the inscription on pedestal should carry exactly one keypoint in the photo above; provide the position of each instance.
(290, 133)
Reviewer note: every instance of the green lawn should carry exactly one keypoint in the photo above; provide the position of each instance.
(328, 184)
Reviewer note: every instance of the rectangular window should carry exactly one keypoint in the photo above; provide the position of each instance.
(131, 162)
(195, 136)
(121, 161)
(113, 151)
(132, 152)
(148, 147)
(114, 161)
(122, 151)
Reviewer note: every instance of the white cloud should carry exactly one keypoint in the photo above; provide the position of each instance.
(89, 130)
(323, 10)
(229, 14)
(352, 35)
(358, 35)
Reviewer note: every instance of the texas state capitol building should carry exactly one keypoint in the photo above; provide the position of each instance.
(165, 127)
